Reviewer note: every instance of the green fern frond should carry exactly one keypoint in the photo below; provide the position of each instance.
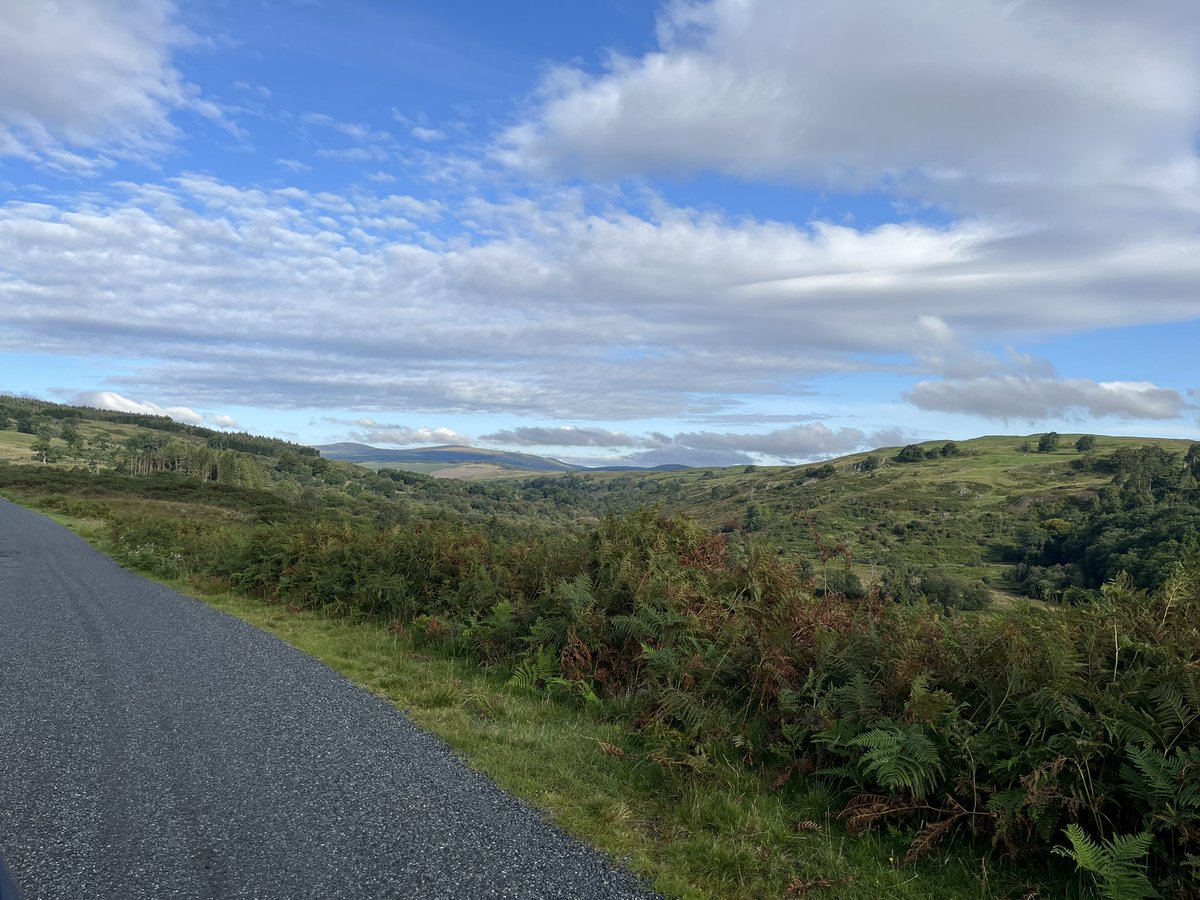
(900, 759)
(1164, 781)
(1118, 864)
(536, 670)
(858, 697)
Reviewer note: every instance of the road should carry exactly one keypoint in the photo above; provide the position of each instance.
(152, 747)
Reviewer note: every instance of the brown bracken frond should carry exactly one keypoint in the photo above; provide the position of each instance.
(863, 811)
(612, 750)
(928, 838)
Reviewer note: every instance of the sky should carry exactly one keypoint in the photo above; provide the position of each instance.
(709, 232)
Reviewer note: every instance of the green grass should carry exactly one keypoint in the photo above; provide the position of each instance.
(721, 833)
(14, 446)
(947, 514)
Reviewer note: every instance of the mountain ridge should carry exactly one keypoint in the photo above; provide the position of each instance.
(457, 454)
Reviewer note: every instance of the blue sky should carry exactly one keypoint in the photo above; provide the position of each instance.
(710, 232)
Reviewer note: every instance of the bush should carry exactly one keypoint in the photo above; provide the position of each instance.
(1048, 442)
(868, 463)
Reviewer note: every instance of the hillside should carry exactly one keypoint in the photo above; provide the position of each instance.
(432, 459)
(758, 704)
(969, 515)
(470, 463)
(970, 510)
(956, 511)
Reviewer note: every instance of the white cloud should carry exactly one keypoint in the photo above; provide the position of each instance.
(84, 76)
(942, 99)
(354, 154)
(797, 442)
(117, 403)
(427, 134)
(539, 306)
(293, 165)
(1019, 397)
(263, 93)
(223, 421)
(402, 436)
(354, 130)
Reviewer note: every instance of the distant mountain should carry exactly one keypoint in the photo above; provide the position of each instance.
(447, 455)
(665, 467)
(452, 455)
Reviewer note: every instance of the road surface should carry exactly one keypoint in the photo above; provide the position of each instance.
(152, 747)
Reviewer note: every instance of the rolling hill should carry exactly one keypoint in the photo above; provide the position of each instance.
(443, 457)
(462, 461)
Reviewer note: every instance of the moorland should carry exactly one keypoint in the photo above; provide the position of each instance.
(958, 668)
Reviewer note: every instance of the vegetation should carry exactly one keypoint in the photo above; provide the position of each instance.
(724, 668)
(1142, 523)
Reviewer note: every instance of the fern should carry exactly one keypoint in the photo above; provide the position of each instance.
(1167, 784)
(900, 759)
(928, 706)
(681, 711)
(1118, 864)
(536, 670)
(857, 698)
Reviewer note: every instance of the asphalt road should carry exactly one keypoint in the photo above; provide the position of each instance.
(151, 747)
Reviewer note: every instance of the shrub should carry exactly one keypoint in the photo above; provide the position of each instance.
(1048, 442)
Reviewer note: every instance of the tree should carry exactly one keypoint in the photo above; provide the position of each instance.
(69, 433)
(1192, 460)
(41, 447)
(950, 449)
(1085, 443)
(1048, 442)
(911, 453)
(1025, 447)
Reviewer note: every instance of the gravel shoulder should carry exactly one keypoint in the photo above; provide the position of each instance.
(153, 747)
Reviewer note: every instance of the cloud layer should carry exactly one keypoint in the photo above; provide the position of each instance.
(705, 448)
(88, 79)
(1039, 159)
(1016, 397)
(857, 93)
(538, 308)
(402, 436)
(117, 403)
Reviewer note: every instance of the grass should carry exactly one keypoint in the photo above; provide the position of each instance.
(947, 514)
(725, 832)
(15, 447)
